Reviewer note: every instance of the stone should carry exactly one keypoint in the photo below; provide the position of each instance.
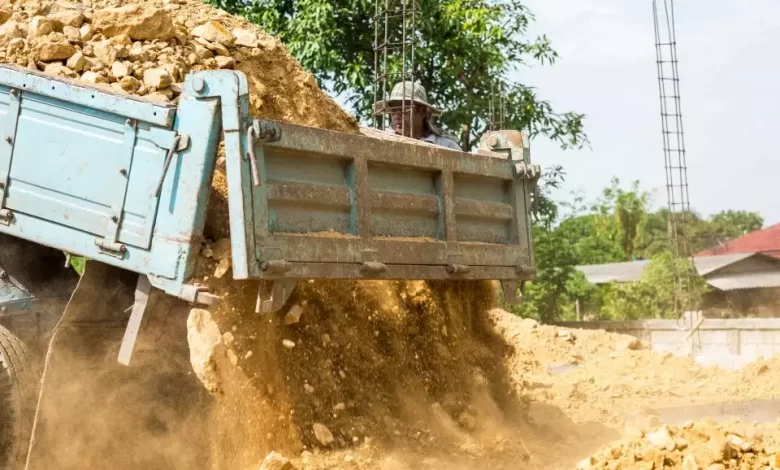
(105, 52)
(10, 30)
(245, 37)
(214, 31)
(93, 78)
(288, 344)
(138, 22)
(157, 78)
(86, 32)
(225, 62)
(72, 18)
(203, 52)
(713, 451)
(130, 84)
(339, 407)
(5, 14)
(57, 69)
(121, 40)
(221, 248)
(42, 26)
(294, 315)
(137, 53)
(276, 461)
(689, 463)
(661, 439)
(71, 33)
(631, 344)
(232, 357)
(53, 50)
(120, 70)
(177, 89)
(224, 264)
(717, 466)
(205, 344)
(156, 96)
(323, 434)
(467, 421)
(309, 389)
(15, 45)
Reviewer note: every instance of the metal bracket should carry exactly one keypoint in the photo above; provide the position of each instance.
(509, 287)
(142, 290)
(280, 291)
(260, 131)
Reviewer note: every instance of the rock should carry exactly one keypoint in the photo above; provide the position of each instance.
(72, 18)
(245, 37)
(309, 389)
(631, 344)
(53, 50)
(155, 96)
(221, 248)
(661, 439)
(157, 78)
(214, 31)
(288, 344)
(276, 461)
(349, 459)
(57, 69)
(466, 421)
(205, 343)
(689, 463)
(42, 26)
(339, 407)
(10, 30)
(86, 32)
(71, 33)
(323, 434)
(5, 14)
(203, 52)
(232, 357)
(228, 339)
(120, 70)
(762, 368)
(224, 264)
(138, 22)
(15, 45)
(225, 62)
(105, 52)
(739, 443)
(137, 53)
(130, 84)
(294, 315)
(713, 451)
(717, 466)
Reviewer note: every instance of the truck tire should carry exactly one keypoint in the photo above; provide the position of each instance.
(16, 400)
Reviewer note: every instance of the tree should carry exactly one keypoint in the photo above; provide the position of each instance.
(464, 49)
(652, 296)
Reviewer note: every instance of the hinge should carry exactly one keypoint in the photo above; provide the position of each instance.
(6, 216)
(115, 249)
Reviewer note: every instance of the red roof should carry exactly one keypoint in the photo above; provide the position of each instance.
(761, 241)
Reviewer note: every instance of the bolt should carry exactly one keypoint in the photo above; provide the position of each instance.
(122, 248)
(9, 139)
(114, 219)
(123, 172)
(493, 141)
(2, 185)
(14, 92)
(198, 84)
(130, 122)
(264, 265)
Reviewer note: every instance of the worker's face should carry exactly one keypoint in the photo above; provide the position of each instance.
(410, 123)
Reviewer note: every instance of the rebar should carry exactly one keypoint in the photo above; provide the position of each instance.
(675, 163)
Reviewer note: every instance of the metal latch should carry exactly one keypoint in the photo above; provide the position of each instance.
(174, 142)
(115, 249)
(260, 131)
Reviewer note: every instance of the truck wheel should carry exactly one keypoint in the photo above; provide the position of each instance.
(16, 400)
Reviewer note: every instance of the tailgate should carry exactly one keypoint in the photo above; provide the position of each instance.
(335, 205)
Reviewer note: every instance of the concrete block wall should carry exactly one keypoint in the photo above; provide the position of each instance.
(727, 343)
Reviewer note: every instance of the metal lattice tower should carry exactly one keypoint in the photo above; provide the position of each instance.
(395, 38)
(674, 149)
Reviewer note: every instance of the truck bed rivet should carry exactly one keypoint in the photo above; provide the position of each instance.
(9, 139)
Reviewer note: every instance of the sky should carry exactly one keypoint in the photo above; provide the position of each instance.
(730, 88)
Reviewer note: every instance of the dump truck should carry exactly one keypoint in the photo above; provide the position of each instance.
(125, 182)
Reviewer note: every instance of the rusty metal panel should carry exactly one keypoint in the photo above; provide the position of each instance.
(328, 202)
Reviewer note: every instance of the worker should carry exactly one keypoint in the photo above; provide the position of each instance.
(417, 124)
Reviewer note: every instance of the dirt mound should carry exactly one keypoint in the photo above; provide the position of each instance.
(695, 445)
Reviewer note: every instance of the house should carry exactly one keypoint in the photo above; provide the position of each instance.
(765, 241)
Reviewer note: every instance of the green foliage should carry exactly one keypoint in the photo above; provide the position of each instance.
(77, 262)
(652, 296)
(464, 48)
